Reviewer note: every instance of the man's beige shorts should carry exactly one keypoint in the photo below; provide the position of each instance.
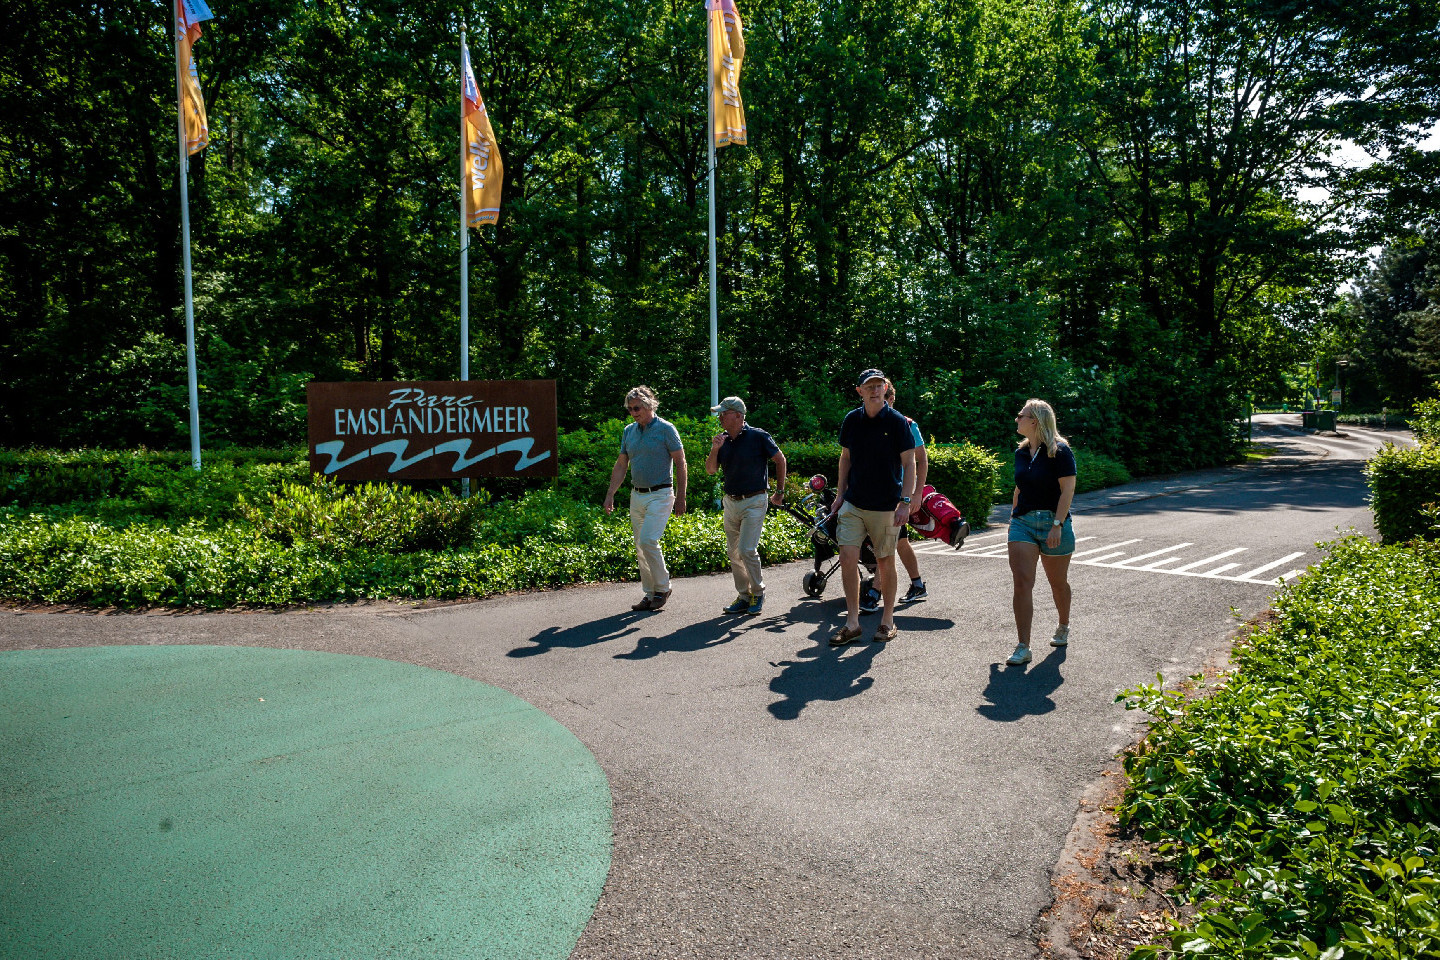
(854, 525)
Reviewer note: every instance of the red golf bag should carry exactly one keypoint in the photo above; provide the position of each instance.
(938, 519)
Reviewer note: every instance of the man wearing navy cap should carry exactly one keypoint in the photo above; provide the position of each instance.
(873, 493)
(746, 453)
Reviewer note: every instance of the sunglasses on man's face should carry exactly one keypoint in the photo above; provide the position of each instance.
(635, 409)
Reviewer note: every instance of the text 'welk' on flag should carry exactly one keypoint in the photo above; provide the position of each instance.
(189, 14)
(727, 50)
(483, 171)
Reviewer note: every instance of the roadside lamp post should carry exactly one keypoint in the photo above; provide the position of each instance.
(1341, 362)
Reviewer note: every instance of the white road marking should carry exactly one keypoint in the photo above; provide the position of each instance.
(1270, 566)
(1201, 563)
(1109, 557)
(1154, 553)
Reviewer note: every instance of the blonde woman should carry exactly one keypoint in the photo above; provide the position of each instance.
(1040, 527)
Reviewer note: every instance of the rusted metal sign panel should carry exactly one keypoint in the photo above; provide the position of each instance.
(432, 430)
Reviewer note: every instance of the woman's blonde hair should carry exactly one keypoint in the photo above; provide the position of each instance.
(1044, 415)
(645, 395)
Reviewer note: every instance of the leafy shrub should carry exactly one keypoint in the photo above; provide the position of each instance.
(65, 559)
(144, 482)
(328, 516)
(1403, 482)
(1301, 802)
(1425, 421)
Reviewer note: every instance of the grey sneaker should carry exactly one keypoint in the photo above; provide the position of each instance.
(916, 594)
(1062, 636)
(757, 603)
(741, 604)
(1020, 656)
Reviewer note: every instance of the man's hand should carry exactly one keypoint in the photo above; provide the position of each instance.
(778, 498)
(680, 504)
(718, 442)
(609, 503)
(902, 513)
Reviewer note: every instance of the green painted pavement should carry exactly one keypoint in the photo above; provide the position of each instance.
(195, 802)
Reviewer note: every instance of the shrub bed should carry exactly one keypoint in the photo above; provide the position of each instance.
(1301, 802)
(1404, 491)
(57, 558)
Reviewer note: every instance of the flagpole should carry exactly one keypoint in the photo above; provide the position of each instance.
(185, 246)
(464, 249)
(710, 141)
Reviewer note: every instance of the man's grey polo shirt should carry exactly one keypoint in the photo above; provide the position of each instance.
(649, 451)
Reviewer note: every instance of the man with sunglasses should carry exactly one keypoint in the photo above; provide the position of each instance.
(651, 449)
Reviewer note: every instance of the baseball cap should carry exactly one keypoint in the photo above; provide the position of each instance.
(868, 375)
(729, 403)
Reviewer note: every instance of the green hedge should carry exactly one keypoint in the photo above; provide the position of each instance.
(1300, 803)
(1404, 491)
(67, 559)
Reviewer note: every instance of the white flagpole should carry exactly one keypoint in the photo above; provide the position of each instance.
(710, 140)
(464, 249)
(185, 246)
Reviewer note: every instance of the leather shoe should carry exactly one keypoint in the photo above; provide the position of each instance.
(644, 604)
(658, 601)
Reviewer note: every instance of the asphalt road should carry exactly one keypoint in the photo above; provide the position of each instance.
(777, 798)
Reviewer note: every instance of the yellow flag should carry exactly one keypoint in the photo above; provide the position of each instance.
(727, 50)
(484, 173)
(188, 16)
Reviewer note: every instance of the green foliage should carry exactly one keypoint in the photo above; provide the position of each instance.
(542, 541)
(1425, 421)
(1300, 802)
(121, 484)
(325, 515)
(1404, 482)
(967, 474)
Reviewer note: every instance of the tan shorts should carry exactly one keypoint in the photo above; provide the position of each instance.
(854, 525)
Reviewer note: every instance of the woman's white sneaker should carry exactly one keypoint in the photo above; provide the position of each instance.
(1062, 636)
(1021, 655)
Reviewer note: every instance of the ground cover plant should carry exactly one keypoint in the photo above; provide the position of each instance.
(1300, 803)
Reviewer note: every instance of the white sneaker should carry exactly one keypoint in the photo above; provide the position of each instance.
(1021, 655)
(1062, 635)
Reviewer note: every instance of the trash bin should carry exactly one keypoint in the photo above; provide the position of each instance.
(1307, 420)
(1325, 420)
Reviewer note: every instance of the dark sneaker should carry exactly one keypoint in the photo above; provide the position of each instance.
(757, 603)
(917, 593)
(741, 604)
(870, 601)
(658, 601)
(958, 535)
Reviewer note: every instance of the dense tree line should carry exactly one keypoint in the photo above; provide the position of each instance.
(1101, 203)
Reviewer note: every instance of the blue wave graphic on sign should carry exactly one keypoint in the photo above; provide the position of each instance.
(460, 448)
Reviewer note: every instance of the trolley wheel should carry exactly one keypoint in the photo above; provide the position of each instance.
(814, 584)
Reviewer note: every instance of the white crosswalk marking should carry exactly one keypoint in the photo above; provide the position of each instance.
(1114, 556)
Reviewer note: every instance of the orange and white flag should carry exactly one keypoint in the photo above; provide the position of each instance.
(484, 172)
(727, 50)
(189, 14)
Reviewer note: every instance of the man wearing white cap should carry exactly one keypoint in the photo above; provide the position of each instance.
(745, 452)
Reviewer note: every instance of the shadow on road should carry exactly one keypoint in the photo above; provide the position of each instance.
(584, 635)
(1014, 692)
(823, 672)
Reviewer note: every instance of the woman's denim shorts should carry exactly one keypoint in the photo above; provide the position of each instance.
(1034, 527)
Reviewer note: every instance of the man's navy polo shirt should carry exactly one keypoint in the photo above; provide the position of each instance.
(746, 460)
(875, 444)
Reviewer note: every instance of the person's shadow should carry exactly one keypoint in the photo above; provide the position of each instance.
(826, 674)
(581, 635)
(1014, 692)
(697, 636)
